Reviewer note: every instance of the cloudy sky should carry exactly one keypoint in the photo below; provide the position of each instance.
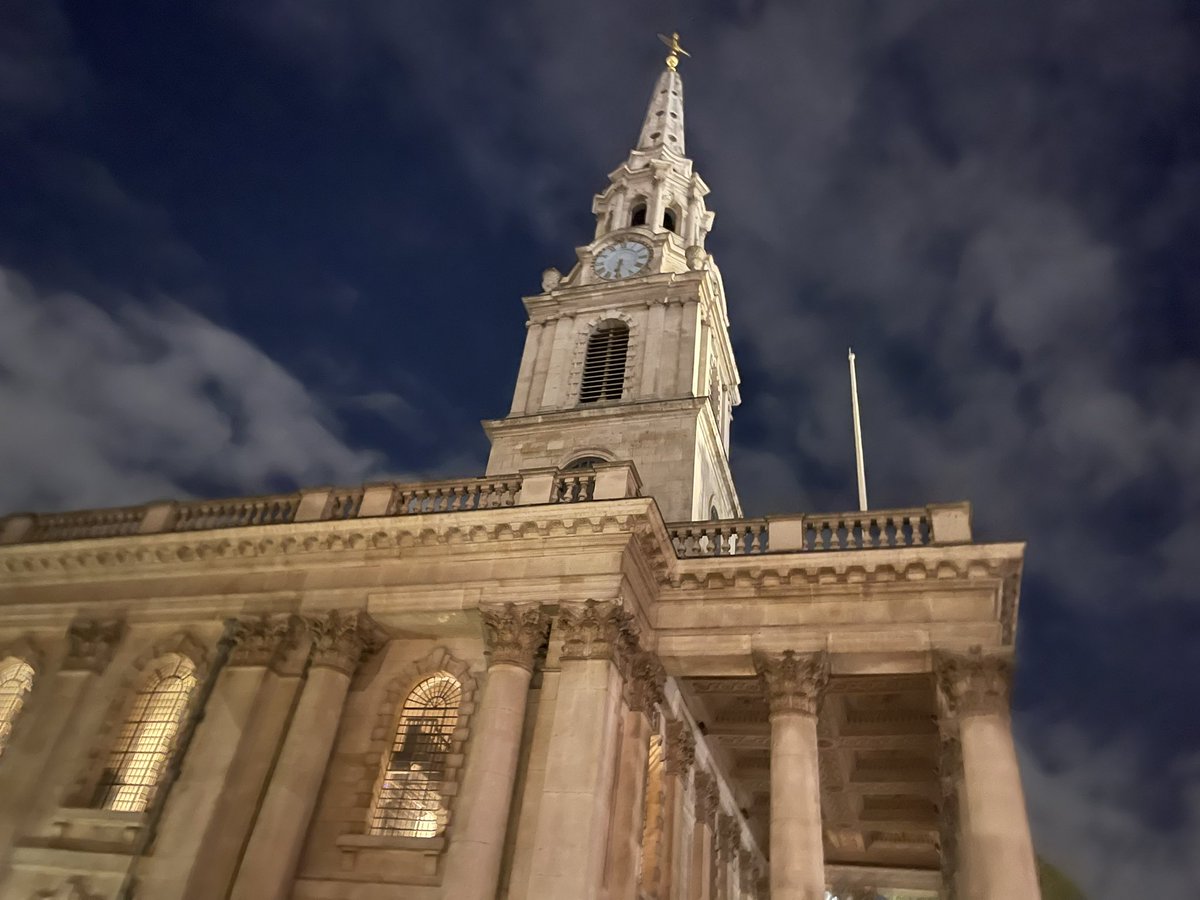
(245, 246)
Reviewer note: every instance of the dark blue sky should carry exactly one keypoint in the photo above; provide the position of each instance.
(248, 246)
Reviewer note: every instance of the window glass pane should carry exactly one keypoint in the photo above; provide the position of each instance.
(410, 801)
(16, 680)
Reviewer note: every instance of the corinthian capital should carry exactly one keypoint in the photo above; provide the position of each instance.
(596, 630)
(513, 633)
(342, 640)
(90, 644)
(707, 796)
(679, 749)
(644, 683)
(262, 640)
(794, 682)
(974, 683)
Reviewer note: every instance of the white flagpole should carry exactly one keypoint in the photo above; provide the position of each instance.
(858, 449)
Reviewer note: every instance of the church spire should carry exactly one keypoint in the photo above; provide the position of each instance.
(663, 125)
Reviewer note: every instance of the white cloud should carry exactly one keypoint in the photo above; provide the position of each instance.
(107, 408)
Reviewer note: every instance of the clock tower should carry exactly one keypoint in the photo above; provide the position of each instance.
(627, 356)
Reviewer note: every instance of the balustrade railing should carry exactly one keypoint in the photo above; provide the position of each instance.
(454, 496)
(89, 523)
(202, 515)
(574, 486)
(738, 537)
(863, 530)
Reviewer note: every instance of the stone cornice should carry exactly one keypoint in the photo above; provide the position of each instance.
(513, 633)
(793, 682)
(973, 683)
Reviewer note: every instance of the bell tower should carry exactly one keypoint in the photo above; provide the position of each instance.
(627, 355)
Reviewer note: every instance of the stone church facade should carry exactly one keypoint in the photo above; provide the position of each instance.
(581, 675)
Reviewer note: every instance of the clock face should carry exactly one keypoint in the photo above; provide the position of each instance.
(622, 259)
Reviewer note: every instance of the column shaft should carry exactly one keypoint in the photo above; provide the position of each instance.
(481, 819)
(625, 837)
(269, 865)
(797, 855)
(1001, 858)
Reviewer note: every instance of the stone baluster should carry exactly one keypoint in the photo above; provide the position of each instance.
(570, 840)
(794, 685)
(340, 641)
(39, 754)
(512, 634)
(222, 781)
(706, 801)
(679, 755)
(643, 692)
(994, 826)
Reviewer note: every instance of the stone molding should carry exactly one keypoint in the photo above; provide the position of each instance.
(708, 797)
(343, 639)
(974, 683)
(679, 748)
(263, 640)
(794, 682)
(514, 633)
(91, 644)
(596, 629)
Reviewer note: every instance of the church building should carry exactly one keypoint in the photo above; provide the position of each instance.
(582, 675)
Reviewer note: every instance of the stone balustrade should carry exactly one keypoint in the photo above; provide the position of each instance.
(941, 524)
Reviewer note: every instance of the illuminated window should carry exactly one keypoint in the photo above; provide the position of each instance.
(142, 749)
(16, 680)
(411, 801)
(604, 362)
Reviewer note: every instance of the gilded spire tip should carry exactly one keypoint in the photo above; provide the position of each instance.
(672, 43)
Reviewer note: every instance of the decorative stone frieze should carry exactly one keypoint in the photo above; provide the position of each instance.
(596, 630)
(263, 640)
(679, 749)
(707, 797)
(644, 682)
(91, 644)
(974, 683)
(342, 640)
(513, 634)
(794, 682)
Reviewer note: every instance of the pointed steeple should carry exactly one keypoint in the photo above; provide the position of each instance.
(663, 125)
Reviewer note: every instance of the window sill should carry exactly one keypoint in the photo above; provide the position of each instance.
(390, 842)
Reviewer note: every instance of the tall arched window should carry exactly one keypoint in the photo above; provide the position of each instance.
(411, 801)
(16, 680)
(638, 215)
(141, 751)
(604, 362)
(669, 217)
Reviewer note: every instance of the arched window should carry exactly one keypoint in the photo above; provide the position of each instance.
(16, 680)
(604, 362)
(141, 751)
(669, 219)
(411, 801)
(583, 462)
(638, 215)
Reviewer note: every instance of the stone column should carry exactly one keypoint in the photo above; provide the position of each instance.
(794, 684)
(572, 825)
(643, 693)
(995, 826)
(707, 798)
(950, 812)
(729, 839)
(34, 773)
(340, 641)
(208, 819)
(679, 755)
(513, 635)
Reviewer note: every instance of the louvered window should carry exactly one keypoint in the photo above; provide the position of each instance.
(604, 363)
(16, 679)
(411, 800)
(142, 749)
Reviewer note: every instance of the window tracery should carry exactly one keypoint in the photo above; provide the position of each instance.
(16, 681)
(410, 801)
(139, 755)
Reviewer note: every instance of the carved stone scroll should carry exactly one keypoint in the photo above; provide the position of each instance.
(91, 644)
(513, 634)
(596, 630)
(793, 682)
(342, 640)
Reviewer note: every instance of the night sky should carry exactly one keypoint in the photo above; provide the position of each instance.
(248, 246)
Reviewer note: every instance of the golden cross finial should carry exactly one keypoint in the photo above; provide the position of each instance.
(672, 43)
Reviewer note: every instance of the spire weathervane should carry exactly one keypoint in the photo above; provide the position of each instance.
(672, 43)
